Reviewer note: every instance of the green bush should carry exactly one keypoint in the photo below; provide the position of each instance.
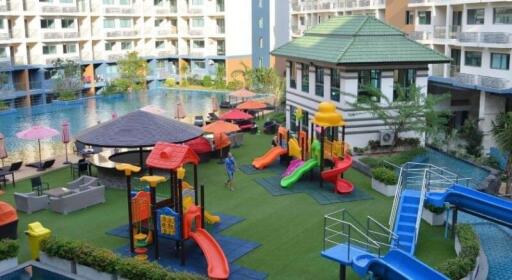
(64, 249)
(4, 106)
(235, 85)
(98, 258)
(279, 117)
(184, 83)
(384, 175)
(434, 209)
(170, 82)
(135, 269)
(207, 81)
(465, 262)
(8, 249)
(373, 162)
(67, 96)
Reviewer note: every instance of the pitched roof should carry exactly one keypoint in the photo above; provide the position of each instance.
(358, 39)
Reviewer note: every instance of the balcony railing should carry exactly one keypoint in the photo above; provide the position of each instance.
(119, 33)
(420, 35)
(59, 9)
(454, 32)
(195, 32)
(5, 36)
(485, 81)
(119, 10)
(60, 35)
(195, 9)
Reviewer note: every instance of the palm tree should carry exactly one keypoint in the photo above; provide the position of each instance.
(502, 131)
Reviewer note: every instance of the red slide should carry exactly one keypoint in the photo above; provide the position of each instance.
(218, 267)
(342, 186)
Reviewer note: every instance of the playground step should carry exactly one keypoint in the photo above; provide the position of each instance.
(405, 236)
(405, 246)
(409, 208)
(407, 217)
(408, 227)
(411, 199)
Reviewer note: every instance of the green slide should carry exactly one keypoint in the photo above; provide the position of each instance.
(297, 173)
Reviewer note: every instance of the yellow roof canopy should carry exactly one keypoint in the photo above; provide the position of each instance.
(326, 116)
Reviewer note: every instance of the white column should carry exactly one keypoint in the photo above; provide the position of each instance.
(312, 80)
(298, 76)
(327, 84)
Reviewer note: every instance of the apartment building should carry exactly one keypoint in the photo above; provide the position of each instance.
(96, 33)
(477, 35)
(335, 61)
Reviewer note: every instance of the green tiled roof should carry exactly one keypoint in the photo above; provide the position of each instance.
(358, 39)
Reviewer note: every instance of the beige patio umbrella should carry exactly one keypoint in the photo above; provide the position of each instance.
(3, 151)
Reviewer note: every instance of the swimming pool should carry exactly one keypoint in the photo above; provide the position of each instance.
(88, 112)
(33, 271)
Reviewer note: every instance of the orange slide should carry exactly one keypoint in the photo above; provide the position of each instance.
(342, 186)
(268, 157)
(218, 267)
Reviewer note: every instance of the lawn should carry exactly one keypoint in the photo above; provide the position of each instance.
(288, 227)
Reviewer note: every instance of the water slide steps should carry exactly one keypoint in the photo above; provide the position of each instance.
(492, 207)
(218, 266)
(405, 224)
(298, 173)
(268, 158)
(395, 265)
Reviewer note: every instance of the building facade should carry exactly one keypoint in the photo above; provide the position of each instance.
(96, 33)
(335, 61)
(477, 35)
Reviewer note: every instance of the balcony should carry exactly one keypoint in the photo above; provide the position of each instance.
(454, 32)
(220, 29)
(167, 53)
(480, 80)
(420, 35)
(195, 32)
(5, 36)
(121, 33)
(195, 9)
(118, 10)
(60, 35)
(54, 9)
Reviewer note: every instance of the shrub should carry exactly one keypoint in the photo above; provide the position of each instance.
(465, 262)
(67, 95)
(4, 106)
(8, 249)
(97, 258)
(373, 144)
(207, 81)
(372, 162)
(408, 141)
(279, 117)
(65, 249)
(235, 85)
(184, 83)
(135, 269)
(170, 82)
(434, 209)
(473, 136)
(195, 80)
(384, 175)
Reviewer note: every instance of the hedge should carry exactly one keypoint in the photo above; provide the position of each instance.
(385, 175)
(8, 249)
(397, 158)
(105, 260)
(465, 262)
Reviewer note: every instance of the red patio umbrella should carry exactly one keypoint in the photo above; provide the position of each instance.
(221, 127)
(251, 105)
(236, 114)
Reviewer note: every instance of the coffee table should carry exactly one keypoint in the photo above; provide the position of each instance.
(58, 192)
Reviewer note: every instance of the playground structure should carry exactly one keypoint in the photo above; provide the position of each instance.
(280, 150)
(177, 218)
(388, 253)
(331, 149)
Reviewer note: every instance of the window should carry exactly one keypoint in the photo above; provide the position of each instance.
(409, 17)
(124, 2)
(3, 52)
(2, 25)
(197, 65)
(48, 23)
(111, 70)
(472, 58)
(500, 61)
(158, 2)
(198, 44)
(293, 123)
(368, 78)
(109, 23)
(476, 16)
(335, 85)
(125, 22)
(502, 15)
(197, 2)
(260, 23)
(404, 79)
(197, 22)
(293, 75)
(67, 23)
(126, 45)
(158, 22)
(69, 48)
(261, 42)
(159, 44)
(66, 1)
(319, 81)
(49, 49)
(108, 2)
(305, 77)
(260, 3)
(424, 17)
(260, 62)
(109, 46)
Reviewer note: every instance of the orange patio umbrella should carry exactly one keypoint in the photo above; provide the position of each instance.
(252, 105)
(221, 127)
(215, 104)
(242, 93)
(235, 115)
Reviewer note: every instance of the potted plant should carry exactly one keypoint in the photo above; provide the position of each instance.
(433, 215)
(96, 263)
(384, 180)
(8, 254)
(59, 254)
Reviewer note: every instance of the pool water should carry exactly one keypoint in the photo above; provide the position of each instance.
(88, 112)
(37, 273)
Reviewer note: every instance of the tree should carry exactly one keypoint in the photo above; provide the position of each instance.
(220, 76)
(67, 81)
(473, 137)
(502, 132)
(132, 73)
(184, 71)
(263, 80)
(409, 111)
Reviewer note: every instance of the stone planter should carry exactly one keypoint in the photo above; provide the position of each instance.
(8, 264)
(57, 263)
(432, 218)
(387, 190)
(91, 273)
(481, 269)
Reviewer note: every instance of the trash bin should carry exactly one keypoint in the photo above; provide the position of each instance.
(36, 233)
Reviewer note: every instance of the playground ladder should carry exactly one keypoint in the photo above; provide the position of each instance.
(414, 181)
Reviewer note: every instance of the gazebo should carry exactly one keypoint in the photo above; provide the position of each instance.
(138, 130)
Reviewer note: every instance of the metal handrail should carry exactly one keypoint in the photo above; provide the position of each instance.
(391, 236)
(396, 199)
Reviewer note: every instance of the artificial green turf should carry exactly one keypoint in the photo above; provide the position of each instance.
(290, 227)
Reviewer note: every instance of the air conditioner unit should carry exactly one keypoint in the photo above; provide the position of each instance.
(387, 137)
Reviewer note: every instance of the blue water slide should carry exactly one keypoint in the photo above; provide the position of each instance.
(473, 201)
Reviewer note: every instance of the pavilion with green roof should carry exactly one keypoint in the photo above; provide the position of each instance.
(336, 60)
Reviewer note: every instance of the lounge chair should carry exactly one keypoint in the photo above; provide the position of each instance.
(10, 171)
(213, 117)
(198, 121)
(42, 165)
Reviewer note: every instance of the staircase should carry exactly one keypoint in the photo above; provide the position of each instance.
(407, 218)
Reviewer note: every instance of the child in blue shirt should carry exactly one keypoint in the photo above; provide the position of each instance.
(230, 164)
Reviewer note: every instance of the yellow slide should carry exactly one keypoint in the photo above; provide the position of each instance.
(209, 217)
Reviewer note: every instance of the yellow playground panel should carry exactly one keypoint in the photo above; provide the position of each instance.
(167, 225)
(334, 148)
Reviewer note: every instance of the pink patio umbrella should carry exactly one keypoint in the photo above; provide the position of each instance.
(215, 104)
(3, 151)
(114, 115)
(37, 132)
(180, 111)
(65, 139)
(153, 109)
